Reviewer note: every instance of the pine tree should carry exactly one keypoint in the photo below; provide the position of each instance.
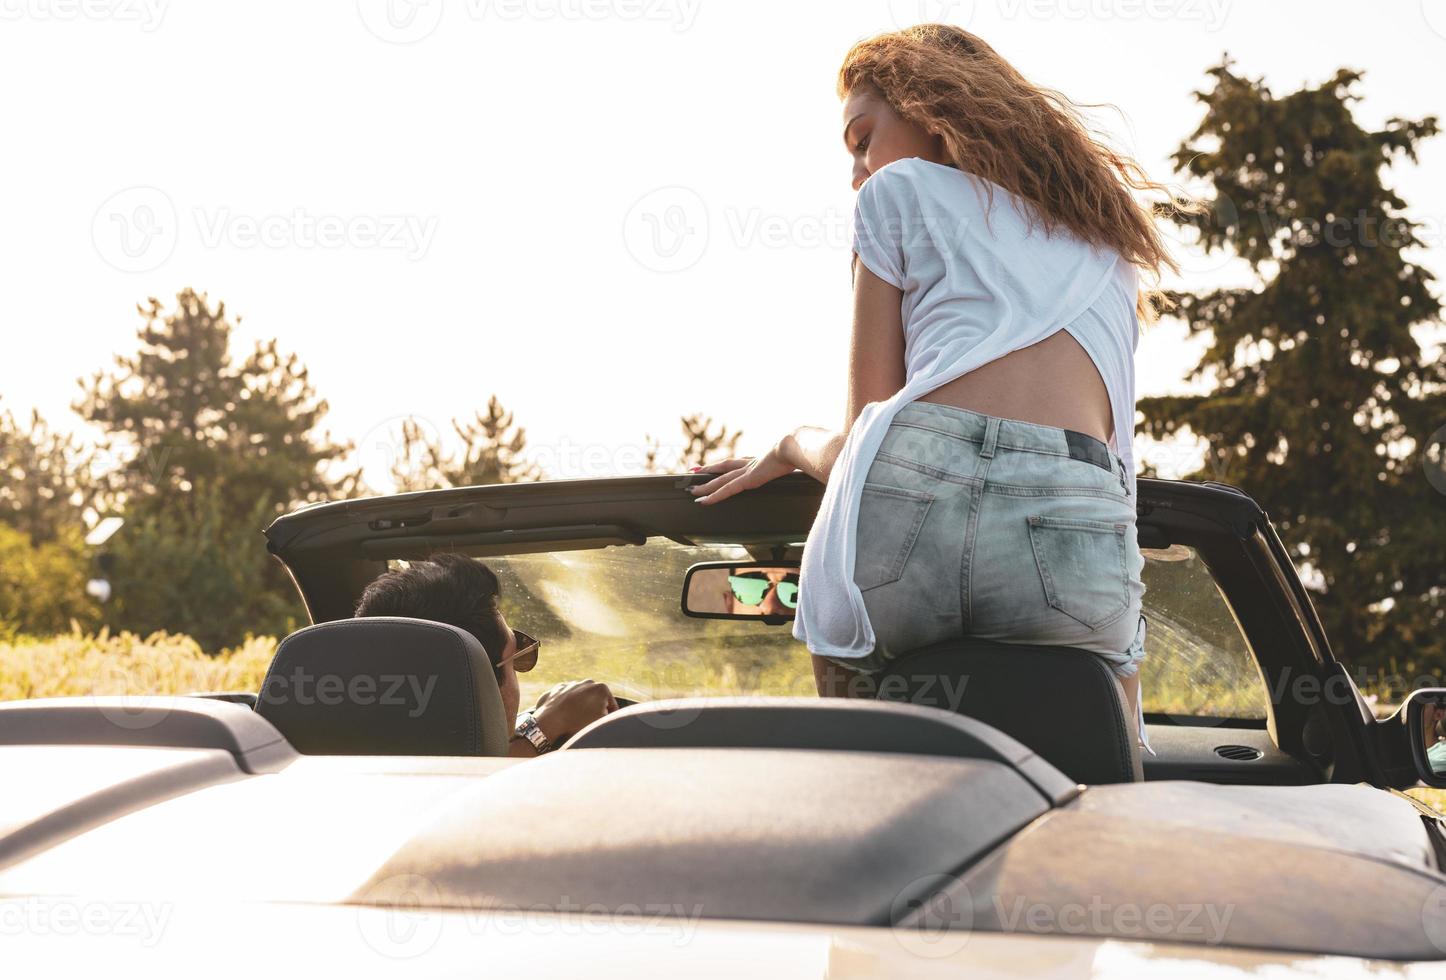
(701, 445)
(208, 451)
(1325, 403)
(45, 482)
(181, 412)
(492, 450)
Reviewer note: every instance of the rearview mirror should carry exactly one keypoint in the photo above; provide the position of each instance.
(766, 591)
(1426, 728)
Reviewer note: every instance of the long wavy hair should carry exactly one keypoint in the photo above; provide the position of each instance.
(1029, 140)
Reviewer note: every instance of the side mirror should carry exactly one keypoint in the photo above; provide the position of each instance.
(1425, 715)
(756, 590)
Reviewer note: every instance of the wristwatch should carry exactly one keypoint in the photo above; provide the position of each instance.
(528, 728)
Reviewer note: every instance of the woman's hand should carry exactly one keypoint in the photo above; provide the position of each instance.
(743, 473)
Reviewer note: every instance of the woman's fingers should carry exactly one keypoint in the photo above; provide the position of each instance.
(726, 470)
(732, 483)
(711, 485)
(744, 474)
(723, 465)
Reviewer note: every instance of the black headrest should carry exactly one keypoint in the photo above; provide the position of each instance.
(384, 685)
(816, 724)
(1063, 703)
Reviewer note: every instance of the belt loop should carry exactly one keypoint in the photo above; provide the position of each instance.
(991, 437)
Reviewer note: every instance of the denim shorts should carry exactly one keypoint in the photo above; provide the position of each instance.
(973, 525)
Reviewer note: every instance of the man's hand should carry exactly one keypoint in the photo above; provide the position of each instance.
(567, 708)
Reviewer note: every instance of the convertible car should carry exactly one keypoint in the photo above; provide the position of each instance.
(982, 810)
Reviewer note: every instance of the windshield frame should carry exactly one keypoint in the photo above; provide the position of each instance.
(333, 550)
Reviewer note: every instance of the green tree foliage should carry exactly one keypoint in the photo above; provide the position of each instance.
(1324, 401)
(213, 449)
(44, 482)
(44, 487)
(196, 567)
(42, 586)
(491, 451)
(183, 412)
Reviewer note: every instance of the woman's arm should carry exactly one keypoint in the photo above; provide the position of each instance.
(876, 348)
(812, 450)
(876, 372)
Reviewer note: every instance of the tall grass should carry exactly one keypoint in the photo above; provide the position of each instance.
(77, 663)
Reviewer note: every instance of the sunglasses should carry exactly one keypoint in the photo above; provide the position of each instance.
(750, 590)
(526, 656)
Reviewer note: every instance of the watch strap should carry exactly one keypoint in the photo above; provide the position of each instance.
(528, 728)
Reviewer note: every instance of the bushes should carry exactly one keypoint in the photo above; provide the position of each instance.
(188, 567)
(42, 587)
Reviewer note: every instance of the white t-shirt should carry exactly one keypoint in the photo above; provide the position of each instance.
(978, 283)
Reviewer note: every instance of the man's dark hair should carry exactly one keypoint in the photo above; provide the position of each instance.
(449, 588)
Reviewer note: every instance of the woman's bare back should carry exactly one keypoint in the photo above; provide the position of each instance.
(1053, 382)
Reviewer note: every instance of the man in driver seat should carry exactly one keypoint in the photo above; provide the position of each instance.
(463, 592)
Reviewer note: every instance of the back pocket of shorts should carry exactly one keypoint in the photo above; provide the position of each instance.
(888, 525)
(1082, 567)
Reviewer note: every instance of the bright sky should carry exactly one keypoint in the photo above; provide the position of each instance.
(609, 213)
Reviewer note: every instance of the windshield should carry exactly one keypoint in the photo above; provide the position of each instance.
(614, 615)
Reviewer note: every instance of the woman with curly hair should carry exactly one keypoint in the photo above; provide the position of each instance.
(983, 484)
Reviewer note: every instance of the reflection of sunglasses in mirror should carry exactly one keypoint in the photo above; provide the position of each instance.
(750, 589)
